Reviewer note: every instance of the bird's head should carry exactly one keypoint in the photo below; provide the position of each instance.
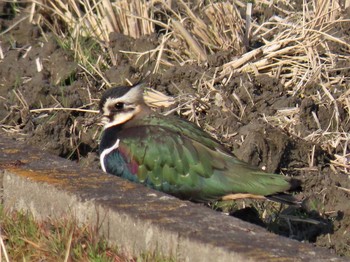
(121, 104)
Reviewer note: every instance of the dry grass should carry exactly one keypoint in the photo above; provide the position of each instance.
(302, 48)
(301, 53)
(299, 47)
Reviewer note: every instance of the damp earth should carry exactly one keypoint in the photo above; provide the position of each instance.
(62, 83)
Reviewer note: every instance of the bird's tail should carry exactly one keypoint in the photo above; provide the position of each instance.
(285, 199)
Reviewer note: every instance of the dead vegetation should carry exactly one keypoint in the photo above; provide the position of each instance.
(298, 43)
(297, 46)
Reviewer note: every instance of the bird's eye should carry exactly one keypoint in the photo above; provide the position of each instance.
(118, 106)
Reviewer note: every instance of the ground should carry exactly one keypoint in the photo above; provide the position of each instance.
(242, 126)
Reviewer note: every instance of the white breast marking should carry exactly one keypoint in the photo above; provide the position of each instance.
(105, 152)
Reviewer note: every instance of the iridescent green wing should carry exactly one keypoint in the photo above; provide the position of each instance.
(180, 159)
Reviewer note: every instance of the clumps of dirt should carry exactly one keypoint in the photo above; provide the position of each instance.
(128, 65)
(326, 194)
(238, 113)
(178, 80)
(235, 115)
(37, 72)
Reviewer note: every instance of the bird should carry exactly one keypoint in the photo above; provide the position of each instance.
(175, 156)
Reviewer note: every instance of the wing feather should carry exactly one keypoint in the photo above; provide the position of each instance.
(182, 160)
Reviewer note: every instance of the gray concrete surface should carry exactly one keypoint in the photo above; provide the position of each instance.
(134, 217)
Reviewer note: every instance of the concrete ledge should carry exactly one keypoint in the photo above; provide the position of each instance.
(135, 217)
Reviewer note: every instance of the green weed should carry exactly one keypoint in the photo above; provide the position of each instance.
(25, 239)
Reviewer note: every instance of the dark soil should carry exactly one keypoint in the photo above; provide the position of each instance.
(74, 135)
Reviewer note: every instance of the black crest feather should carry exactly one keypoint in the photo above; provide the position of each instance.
(113, 92)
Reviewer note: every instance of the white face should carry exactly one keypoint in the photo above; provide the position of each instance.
(119, 110)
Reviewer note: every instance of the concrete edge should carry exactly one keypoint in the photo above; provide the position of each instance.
(134, 217)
